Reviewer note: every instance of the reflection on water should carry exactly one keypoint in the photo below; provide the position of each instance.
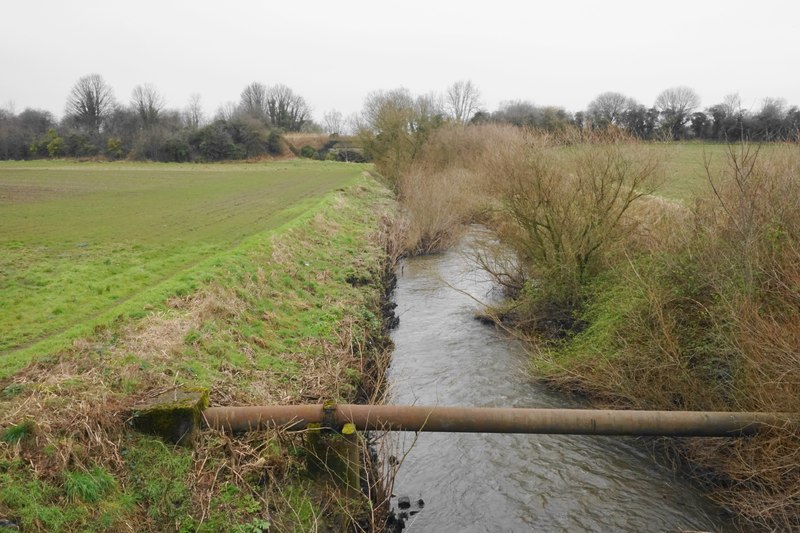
(491, 482)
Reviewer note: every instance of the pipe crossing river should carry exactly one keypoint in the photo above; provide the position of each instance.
(495, 482)
(494, 420)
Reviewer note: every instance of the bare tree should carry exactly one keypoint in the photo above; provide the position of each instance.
(226, 111)
(286, 109)
(429, 112)
(394, 126)
(732, 105)
(90, 102)
(608, 108)
(333, 122)
(253, 101)
(148, 104)
(676, 106)
(353, 123)
(462, 100)
(770, 120)
(194, 112)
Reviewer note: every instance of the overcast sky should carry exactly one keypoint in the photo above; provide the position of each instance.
(333, 53)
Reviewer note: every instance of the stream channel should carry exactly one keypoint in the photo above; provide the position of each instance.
(496, 482)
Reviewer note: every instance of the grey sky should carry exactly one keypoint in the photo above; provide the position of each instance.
(335, 52)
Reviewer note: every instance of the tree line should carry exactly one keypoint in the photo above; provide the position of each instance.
(96, 124)
(675, 115)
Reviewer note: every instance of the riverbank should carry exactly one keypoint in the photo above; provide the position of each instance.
(632, 298)
(505, 482)
(292, 315)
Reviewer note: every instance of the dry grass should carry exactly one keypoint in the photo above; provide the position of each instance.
(667, 306)
(709, 322)
(314, 140)
(563, 203)
(444, 190)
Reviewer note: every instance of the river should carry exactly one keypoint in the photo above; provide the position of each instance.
(489, 482)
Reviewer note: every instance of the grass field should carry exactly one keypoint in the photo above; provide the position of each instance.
(260, 284)
(81, 244)
(685, 174)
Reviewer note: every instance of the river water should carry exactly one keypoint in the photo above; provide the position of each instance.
(471, 482)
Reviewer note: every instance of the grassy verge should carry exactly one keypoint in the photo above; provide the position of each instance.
(289, 314)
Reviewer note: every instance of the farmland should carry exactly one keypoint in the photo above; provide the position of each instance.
(236, 279)
(684, 168)
(83, 243)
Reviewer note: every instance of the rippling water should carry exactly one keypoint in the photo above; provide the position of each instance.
(492, 482)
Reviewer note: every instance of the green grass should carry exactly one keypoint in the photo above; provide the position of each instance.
(81, 244)
(685, 176)
(268, 318)
(17, 432)
(684, 168)
(88, 486)
(87, 501)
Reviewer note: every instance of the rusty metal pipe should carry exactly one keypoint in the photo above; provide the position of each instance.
(497, 420)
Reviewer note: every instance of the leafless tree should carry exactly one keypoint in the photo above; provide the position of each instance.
(773, 106)
(90, 102)
(732, 104)
(430, 105)
(253, 101)
(353, 123)
(148, 104)
(387, 110)
(226, 111)
(770, 119)
(194, 112)
(676, 106)
(286, 109)
(608, 108)
(462, 100)
(394, 125)
(333, 122)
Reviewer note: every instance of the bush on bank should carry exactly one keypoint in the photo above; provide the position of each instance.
(634, 300)
(710, 321)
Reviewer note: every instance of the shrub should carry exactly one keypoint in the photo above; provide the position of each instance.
(394, 127)
(176, 150)
(710, 323)
(561, 203)
(49, 145)
(114, 148)
(78, 145)
(308, 151)
(351, 155)
(214, 143)
(274, 143)
(443, 190)
(565, 211)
